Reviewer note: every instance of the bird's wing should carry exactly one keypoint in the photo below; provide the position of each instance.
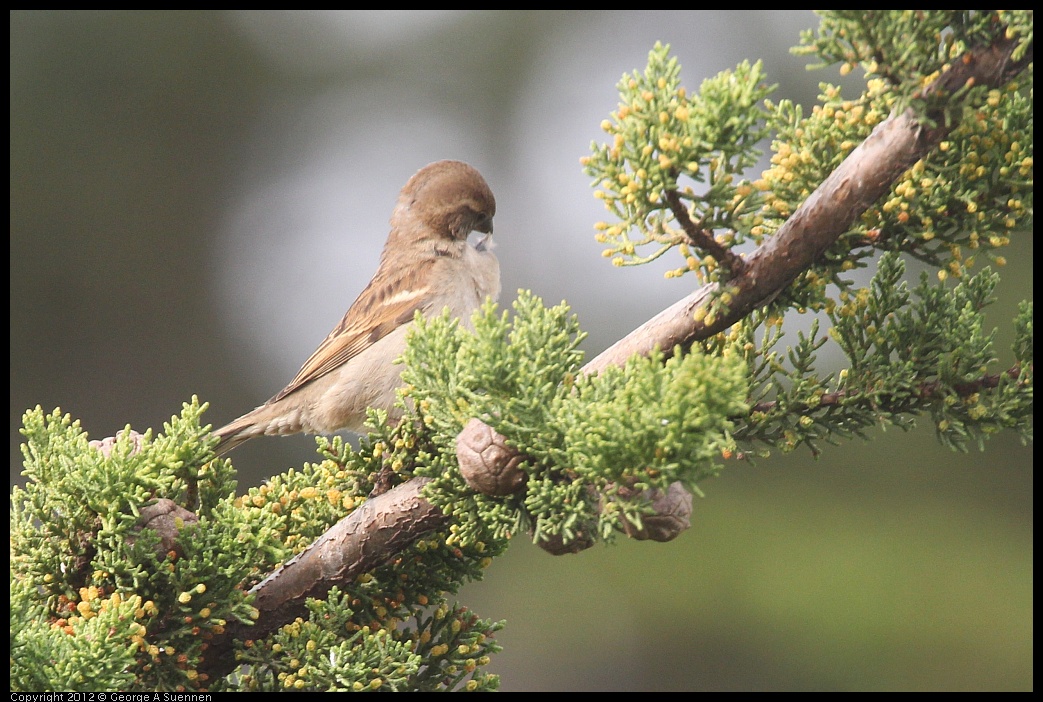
(388, 302)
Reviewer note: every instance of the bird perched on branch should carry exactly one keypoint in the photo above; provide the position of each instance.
(427, 264)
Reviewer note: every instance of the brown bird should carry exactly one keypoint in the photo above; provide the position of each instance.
(427, 264)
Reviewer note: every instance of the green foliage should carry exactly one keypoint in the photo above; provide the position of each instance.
(98, 604)
(589, 441)
(649, 424)
(428, 651)
(908, 352)
(98, 585)
(968, 197)
(83, 657)
(662, 136)
(595, 448)
(926, 352)
(906, 47)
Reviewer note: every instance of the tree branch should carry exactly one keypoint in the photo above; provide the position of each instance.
(925, 391)
(867, 174)
(367, 538)
(863, 178)
(386, 524)
(700, 237)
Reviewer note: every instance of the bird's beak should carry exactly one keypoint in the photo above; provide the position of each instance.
(484, 243)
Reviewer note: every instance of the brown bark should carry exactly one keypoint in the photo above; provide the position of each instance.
(367, 538)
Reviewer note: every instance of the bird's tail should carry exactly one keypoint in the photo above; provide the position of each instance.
(235, 433)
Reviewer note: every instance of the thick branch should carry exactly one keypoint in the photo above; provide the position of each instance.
(367, 538)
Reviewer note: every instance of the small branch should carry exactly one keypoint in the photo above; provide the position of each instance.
(925, 391)
(701, 238)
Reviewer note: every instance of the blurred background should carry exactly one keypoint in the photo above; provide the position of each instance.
(197, 197)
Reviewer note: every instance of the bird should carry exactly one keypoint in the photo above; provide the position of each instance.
(428, 264)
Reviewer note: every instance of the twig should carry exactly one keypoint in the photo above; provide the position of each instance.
(702, 238)
(925, 391)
